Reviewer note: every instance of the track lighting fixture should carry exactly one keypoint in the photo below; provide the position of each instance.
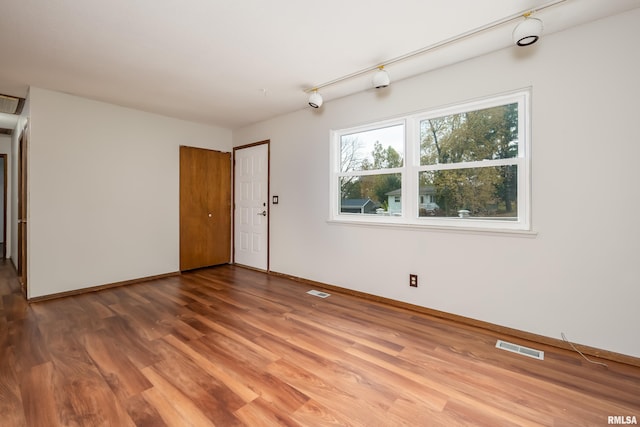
(528, 31)
(315, 99)
(381, 78)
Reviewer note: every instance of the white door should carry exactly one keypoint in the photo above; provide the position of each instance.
(251, 220)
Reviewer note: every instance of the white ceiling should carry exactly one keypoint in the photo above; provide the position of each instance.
(232, 63)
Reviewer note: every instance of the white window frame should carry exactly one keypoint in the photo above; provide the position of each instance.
(411, 169)
(336, 174)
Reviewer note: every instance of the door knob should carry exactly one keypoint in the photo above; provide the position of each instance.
(263, 213)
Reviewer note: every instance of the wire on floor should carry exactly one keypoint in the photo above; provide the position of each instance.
(580, 353)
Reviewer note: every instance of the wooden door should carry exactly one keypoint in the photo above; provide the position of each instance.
(251, 197)
(205, 208)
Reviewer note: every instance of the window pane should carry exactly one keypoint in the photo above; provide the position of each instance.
(371, 194)
(491, 133)
(373, 149)
(480, 193)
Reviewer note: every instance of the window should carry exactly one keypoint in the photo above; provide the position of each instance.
(463, 166)
(370, 170)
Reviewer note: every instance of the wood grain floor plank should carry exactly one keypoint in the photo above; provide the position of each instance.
(11, 403)
(354, 334)
(133, 294)
(181, 329)
(270, 325)
(165, 298)
(538, 396)
(38, 393)
(273, 389)
(260, 413)
(234, 382)
(507, 395)
(314, 414)
(143, 319)
(197, 384)
(169, 411)
(124, 378)
(463, 395)
(83, 397)
(131, 339)
(15, 306)
(63, 309)
(463, 414)
(424, 413)
(463, 372)
(99, 309)
(26, 339)
(349, 371)
(344, 369)
(231, 346)
(143, 413)
(164, 396)
(356, 410)
(234, 337)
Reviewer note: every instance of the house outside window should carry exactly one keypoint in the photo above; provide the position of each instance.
(359, 206)
(465, 166)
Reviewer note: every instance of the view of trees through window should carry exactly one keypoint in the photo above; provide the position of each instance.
(472, 137)
(461, 162)
(364, 151)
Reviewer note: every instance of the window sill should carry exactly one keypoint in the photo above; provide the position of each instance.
(437, 228)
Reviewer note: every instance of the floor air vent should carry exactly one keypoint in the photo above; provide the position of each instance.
(318, 293)
(525, 351)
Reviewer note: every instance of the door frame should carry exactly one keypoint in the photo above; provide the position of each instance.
(22, 213)
(233, 195)
(4, 205)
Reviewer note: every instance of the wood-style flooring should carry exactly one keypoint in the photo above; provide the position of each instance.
(228, 346)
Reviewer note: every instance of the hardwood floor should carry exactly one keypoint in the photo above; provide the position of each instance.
(229, 346)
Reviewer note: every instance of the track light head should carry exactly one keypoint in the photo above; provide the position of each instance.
(381, 78)
(527, 32)
(315, 99)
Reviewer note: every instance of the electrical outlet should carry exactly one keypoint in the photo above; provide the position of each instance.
(413, 280)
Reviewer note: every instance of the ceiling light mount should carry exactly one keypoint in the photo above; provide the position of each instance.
(381, 78)
(528, 31)
(315, 99)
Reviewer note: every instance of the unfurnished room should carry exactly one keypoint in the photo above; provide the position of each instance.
(284, 213)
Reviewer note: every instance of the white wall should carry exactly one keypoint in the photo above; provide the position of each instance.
(103, 191)
(579, 274)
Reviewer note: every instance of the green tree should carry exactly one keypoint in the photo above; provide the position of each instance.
(507, 189)
(490, 133)
(384, 158)
(349, 161)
